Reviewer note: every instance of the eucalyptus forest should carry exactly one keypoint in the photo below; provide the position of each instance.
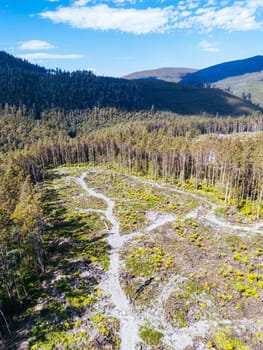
(128, 228)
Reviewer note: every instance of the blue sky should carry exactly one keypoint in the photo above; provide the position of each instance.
(117, 37)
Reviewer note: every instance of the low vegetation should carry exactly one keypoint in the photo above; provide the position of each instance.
(176, 275)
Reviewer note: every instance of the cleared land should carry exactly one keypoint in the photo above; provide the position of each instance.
(136, 264)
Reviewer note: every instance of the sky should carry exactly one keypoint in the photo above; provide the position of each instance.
(118, 37)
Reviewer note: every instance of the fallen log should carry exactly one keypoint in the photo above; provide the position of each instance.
(141, 288)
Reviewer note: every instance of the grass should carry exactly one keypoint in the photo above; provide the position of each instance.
(150, 336)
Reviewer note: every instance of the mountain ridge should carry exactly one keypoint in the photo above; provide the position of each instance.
(171, 74)
(210, 74)
(224, 70)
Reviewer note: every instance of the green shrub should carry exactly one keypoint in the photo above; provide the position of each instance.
(150, 336)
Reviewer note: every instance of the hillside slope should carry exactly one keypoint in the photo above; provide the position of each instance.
(193, 100)
(224, 70)
(248, 86)
(35, 88)
(22, 83)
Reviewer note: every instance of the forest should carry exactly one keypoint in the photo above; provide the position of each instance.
(157, 144)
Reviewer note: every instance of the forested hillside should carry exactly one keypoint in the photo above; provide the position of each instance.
(28, 86)
(37, 88)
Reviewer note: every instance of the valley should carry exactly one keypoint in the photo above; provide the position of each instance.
(131, 212)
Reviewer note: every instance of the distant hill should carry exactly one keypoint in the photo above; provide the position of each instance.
(29, 86)
(224, 70)
(248, 86)
(167, 74)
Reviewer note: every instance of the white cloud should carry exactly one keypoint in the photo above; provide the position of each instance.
(255, 3)
(35, 56)
(230, 18)
(103, 17)
(198, 14)
(36, 45)
(208, 46)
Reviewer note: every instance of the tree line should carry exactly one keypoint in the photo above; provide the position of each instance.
(158, 149)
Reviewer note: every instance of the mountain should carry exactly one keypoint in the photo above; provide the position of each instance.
(167, 74)
(26, 85)
(224, 70)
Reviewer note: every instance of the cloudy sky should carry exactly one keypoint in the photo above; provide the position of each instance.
(117, 37)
